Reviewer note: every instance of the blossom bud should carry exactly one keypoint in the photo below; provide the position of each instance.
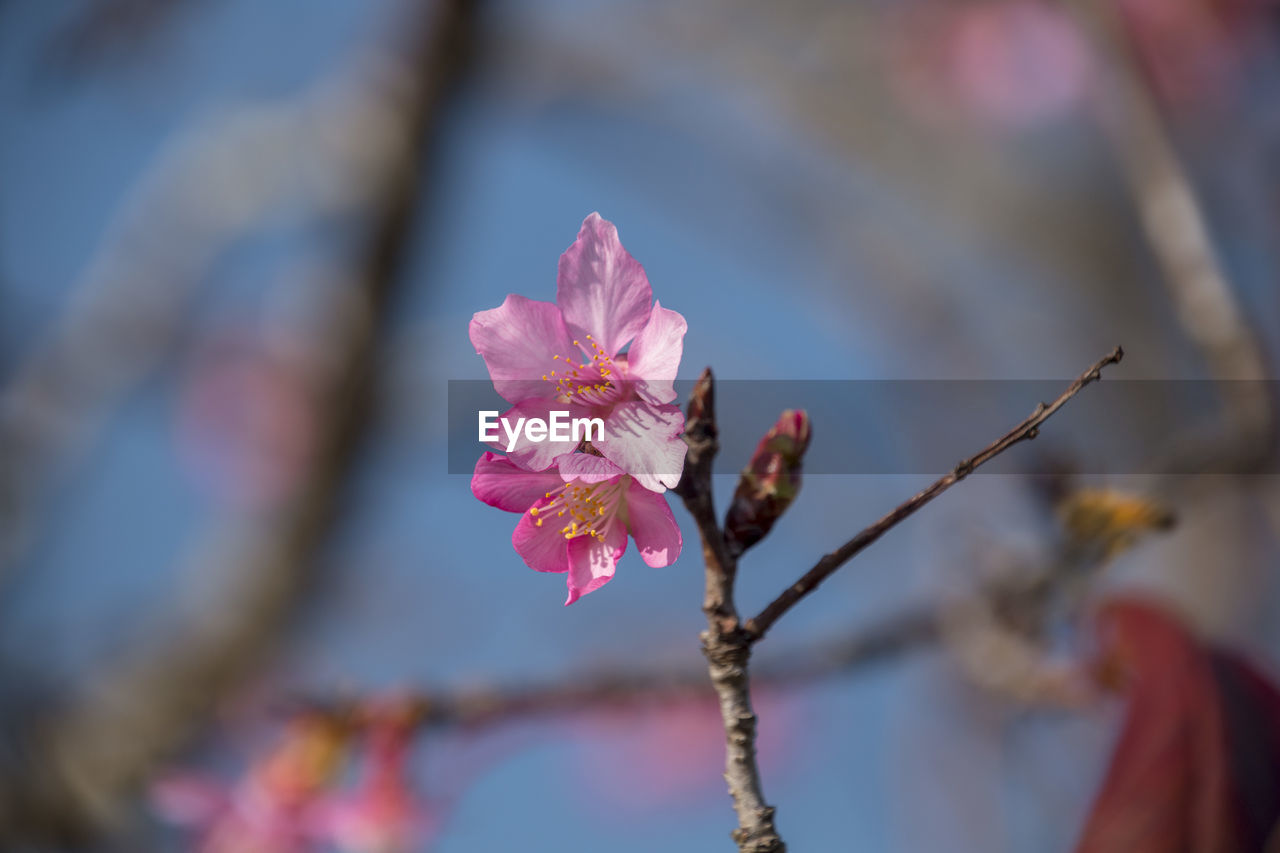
(769, 483)
(701, 434)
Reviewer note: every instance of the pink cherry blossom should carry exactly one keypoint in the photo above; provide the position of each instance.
(567, 356)
(270, 809)
(1016, 64)
(382, 814)
(576, 518)
(245, 428)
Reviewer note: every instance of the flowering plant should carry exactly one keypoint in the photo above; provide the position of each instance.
(568, 356)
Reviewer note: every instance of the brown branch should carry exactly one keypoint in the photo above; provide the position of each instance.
(724, 644)
(226, 174)
(108, 31)
(825, 567)
(1020, 601)
(84, 760)
(479, 708)
(1177, 231)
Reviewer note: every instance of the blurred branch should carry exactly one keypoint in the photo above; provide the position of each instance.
(1096, 526)
(486, 707)
(1028, 429)
(1177, 231)
(91, 755)
(324, 151)
(102, 30)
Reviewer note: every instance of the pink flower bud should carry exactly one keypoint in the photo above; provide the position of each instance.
(769, 483)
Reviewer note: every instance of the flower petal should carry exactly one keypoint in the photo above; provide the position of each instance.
(655, 354)
(499, 482)
(653, 526)
(645, 441)
(535, 455)
(592, 562)
(587, 468)
(544, 549)
(601, 289)
(518, 341)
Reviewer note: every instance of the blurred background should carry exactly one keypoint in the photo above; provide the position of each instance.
(240, 244)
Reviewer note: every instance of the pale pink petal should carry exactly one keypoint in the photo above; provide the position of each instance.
(645, 441)
(601, 289)
(587, 468)
(535, 455)
(655, 354)
(544, 549)
(519, 341)
(498, 482)
(653, 526)
(592, 561)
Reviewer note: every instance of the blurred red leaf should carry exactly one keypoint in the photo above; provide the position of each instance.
(1194, 51)
(1197, 765)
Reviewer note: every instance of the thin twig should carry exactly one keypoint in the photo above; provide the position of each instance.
(825, 567)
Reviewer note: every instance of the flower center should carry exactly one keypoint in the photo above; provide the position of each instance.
(591, 382)
(586, 508)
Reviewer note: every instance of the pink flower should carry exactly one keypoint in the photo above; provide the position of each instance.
(1017, 64)
(383, 814)
(567, 356)
(246, 428)
(269, 810)
(576, 519)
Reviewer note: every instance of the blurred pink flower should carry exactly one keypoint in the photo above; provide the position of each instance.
(271, 809)
(576, 519)
(245, 425)
(1014, 63)
(383, 814)
(667, 754)
(567, 356)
